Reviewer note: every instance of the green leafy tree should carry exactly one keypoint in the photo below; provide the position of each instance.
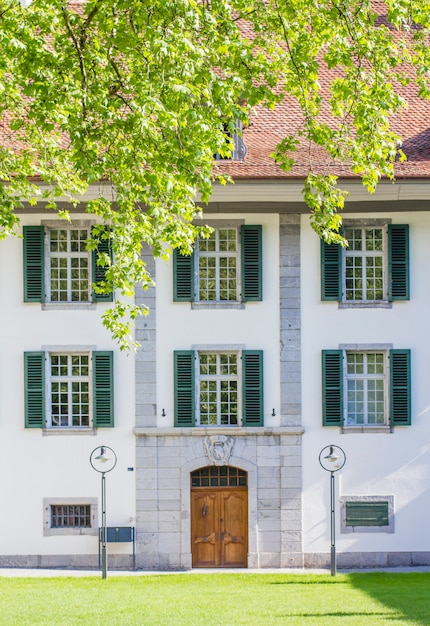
(135, 96)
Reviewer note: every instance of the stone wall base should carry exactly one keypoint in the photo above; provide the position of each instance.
(315, 560)
(358, 560)
(65, 561)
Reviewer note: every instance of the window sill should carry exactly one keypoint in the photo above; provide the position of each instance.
(55, 532)
(377, 304)
(346, 530)
(217, 305)
(63, 306)
(348, 430)
(68, 431)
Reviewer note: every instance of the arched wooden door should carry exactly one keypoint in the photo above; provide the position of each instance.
(219, 517)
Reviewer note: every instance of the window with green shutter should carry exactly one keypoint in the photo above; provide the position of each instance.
(60, 253)
(398, 261)
(332, 387)
(358, 273)
(366, 388)
(183, 277)
(331, 271)
(218, 388)
(34, 389)
(103, 403)
(99, 271)
(225, 268)
(252, 385)
(251, 263)
(78, 396)
(34, 260)
(400, 387)
(184, 387)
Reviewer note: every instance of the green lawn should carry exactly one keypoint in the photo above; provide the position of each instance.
(219, 599)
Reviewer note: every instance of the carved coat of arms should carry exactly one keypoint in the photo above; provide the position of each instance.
(218, 449)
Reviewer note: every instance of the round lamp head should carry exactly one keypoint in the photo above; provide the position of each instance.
(103, 459)
(332, 458)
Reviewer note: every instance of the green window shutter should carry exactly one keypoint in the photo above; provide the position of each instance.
(184, 387)
(34, 283)
(331, 271)
(183, 277)
(400, 387)
(103, 409)
(99, 272)
(252, 269)
(252, 388)
(332, 387)
(398, 262)
(34, 389)
(366, 514)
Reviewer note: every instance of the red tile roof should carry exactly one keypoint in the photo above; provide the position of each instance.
(267, 128)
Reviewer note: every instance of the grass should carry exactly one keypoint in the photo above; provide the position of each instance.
(372, 599)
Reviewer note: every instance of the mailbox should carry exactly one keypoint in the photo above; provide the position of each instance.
(119, 534)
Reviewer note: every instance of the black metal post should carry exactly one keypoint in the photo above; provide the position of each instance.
(104, 550)
(332, 459)
(332, 526)
(103, 463)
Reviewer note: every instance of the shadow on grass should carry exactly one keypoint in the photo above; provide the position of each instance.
(391, 597)
(406, 593)
(388, 616)
(334, 581)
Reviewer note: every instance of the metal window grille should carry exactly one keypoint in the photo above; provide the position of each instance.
(71, 516)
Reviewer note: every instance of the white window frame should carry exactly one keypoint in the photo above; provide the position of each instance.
(367, 349)
(51, 225)
(218, 350)
(68, 351)
(48, 531)
(344, 529)
(346, 252)
(217, 226)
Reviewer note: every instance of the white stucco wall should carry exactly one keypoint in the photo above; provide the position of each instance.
(395, 464)
(35, 465)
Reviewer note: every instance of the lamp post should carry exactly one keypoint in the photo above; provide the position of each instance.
(103, 460)
(332, 459)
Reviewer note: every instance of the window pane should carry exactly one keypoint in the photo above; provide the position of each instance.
(366, 388)
(364, 264)
(218, 388)
(218, 266)
(69, 265)
(69, 395)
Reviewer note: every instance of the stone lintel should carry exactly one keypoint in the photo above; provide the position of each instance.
(204, 432)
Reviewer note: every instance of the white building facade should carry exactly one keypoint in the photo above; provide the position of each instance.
(259, 350)
(364, 352)
(66, 389)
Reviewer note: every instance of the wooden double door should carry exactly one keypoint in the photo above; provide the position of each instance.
(219, 527)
